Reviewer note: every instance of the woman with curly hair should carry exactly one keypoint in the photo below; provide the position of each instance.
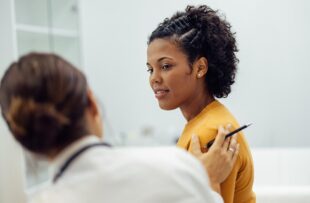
(191, 59)
(51, 111)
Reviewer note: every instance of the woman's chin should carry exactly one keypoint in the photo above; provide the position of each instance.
(167, 106)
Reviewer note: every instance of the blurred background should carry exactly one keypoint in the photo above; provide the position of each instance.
(107, 40)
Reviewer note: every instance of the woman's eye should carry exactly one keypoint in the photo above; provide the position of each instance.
(165, 66)
(150, 70)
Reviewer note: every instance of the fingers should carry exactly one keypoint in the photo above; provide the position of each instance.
(233, 142)
(233, 149)
(230, 145)
(195, 146)
(226, 143)
(235, 154)
(220, 137)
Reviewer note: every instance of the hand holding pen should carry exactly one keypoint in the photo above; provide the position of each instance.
(209, 144)
(219, 161)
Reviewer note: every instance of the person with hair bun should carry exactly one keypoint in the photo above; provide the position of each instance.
(51, 111)
(191, 58)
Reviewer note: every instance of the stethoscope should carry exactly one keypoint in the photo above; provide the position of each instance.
(70, 160)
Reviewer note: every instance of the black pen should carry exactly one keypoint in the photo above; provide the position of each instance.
(209, 144)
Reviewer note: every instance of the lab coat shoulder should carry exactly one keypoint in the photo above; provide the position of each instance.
(165, 174)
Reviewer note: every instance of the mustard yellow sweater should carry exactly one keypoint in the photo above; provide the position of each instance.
(237, 188)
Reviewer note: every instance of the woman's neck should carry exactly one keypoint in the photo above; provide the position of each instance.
(196, 105)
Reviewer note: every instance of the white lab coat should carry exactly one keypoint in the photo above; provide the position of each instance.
(129, 175)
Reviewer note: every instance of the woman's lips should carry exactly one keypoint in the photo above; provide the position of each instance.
(160, 94)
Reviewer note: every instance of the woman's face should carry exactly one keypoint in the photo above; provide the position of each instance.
(171, 78)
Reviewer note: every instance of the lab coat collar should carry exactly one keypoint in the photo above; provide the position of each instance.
(64, 155)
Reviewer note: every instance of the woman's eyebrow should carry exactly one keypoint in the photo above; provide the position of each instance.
(159, 60)
(162, 58)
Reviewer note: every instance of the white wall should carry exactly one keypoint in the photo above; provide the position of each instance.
(270, 91)
(279, 176)
(11, 177)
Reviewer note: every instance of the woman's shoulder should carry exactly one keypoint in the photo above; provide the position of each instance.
(212, 115)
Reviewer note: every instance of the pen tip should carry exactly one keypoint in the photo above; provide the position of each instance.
(249, 124)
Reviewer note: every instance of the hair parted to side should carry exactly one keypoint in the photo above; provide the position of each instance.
(202, 32)
(43, 99)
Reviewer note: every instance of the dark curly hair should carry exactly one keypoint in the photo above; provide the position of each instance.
(202, 32)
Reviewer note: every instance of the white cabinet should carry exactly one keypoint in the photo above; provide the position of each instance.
(49, 26)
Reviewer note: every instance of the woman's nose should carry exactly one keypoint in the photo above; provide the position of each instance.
(155, 77)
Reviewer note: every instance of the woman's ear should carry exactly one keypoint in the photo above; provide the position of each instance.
(92, 104)
(201, 67)
(94, 113)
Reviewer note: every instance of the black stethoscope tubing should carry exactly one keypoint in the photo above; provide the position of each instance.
(69, 161)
